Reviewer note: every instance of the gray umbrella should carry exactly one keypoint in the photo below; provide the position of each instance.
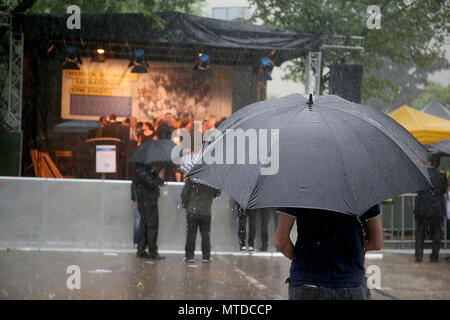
(153, 151)
(333, 155)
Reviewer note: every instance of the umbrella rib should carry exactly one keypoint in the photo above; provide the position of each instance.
(340, 155)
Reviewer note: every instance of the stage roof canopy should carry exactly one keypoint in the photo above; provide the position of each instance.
(182, 35)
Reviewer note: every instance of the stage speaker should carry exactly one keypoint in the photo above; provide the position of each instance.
(345, 81)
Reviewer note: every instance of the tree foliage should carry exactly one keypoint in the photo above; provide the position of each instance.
(433, 91)
(412, 33)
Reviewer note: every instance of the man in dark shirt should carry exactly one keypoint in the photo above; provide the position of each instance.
(429, 211)
(165, 129)
(98, 132)
(113, 128)
(328, 257)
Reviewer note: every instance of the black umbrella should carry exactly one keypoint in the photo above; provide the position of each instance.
(153, 151)
(333, 155)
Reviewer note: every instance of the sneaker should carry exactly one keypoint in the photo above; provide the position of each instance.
(264, 249)
(189, 260)
(250, 248)
(206, 260)
(243, 248)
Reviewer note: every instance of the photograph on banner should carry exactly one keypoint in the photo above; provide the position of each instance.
(104, 88)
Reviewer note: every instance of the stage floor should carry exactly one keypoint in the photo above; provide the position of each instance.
(42, 275)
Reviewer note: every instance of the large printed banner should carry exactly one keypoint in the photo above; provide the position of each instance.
(104, 88)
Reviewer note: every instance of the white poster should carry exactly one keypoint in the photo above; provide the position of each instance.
(105, 159)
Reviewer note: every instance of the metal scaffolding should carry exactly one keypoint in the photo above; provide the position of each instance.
(13, 116)
(313, 65)
(15, 71)
(314, 60)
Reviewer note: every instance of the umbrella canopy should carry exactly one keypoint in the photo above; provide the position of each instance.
(436, 109)
(153, 151)
(332, 155)
(426, 128)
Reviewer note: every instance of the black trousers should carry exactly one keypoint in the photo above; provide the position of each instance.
(264, 214)
(431, 226)
(148, 229)
(194, 222)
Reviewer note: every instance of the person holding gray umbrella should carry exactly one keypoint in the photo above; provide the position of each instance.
(328, 162)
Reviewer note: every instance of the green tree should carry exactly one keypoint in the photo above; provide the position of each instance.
(409, 82)
(412, 32)
(147, 7)
(433, 91)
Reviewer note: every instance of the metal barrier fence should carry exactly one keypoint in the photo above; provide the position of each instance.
(399, 223)
(53, 214)
(98, 215)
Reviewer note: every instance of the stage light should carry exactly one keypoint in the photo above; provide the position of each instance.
(72, 59)
(138, 62)
(99, 55)
(203, 66)
(265, 68)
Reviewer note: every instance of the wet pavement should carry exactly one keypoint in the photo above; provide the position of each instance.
(42, 275)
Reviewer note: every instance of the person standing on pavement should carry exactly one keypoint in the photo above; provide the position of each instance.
(146, 182)
(429, 211)
(328, 256)
(197, 199)
(242, 227)
(262, 213)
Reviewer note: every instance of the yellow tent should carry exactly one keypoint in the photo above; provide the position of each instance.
(426, 128)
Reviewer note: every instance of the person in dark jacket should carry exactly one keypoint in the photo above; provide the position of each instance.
(197, 199)
(115, 129)
(146, 183)
(429, 211)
